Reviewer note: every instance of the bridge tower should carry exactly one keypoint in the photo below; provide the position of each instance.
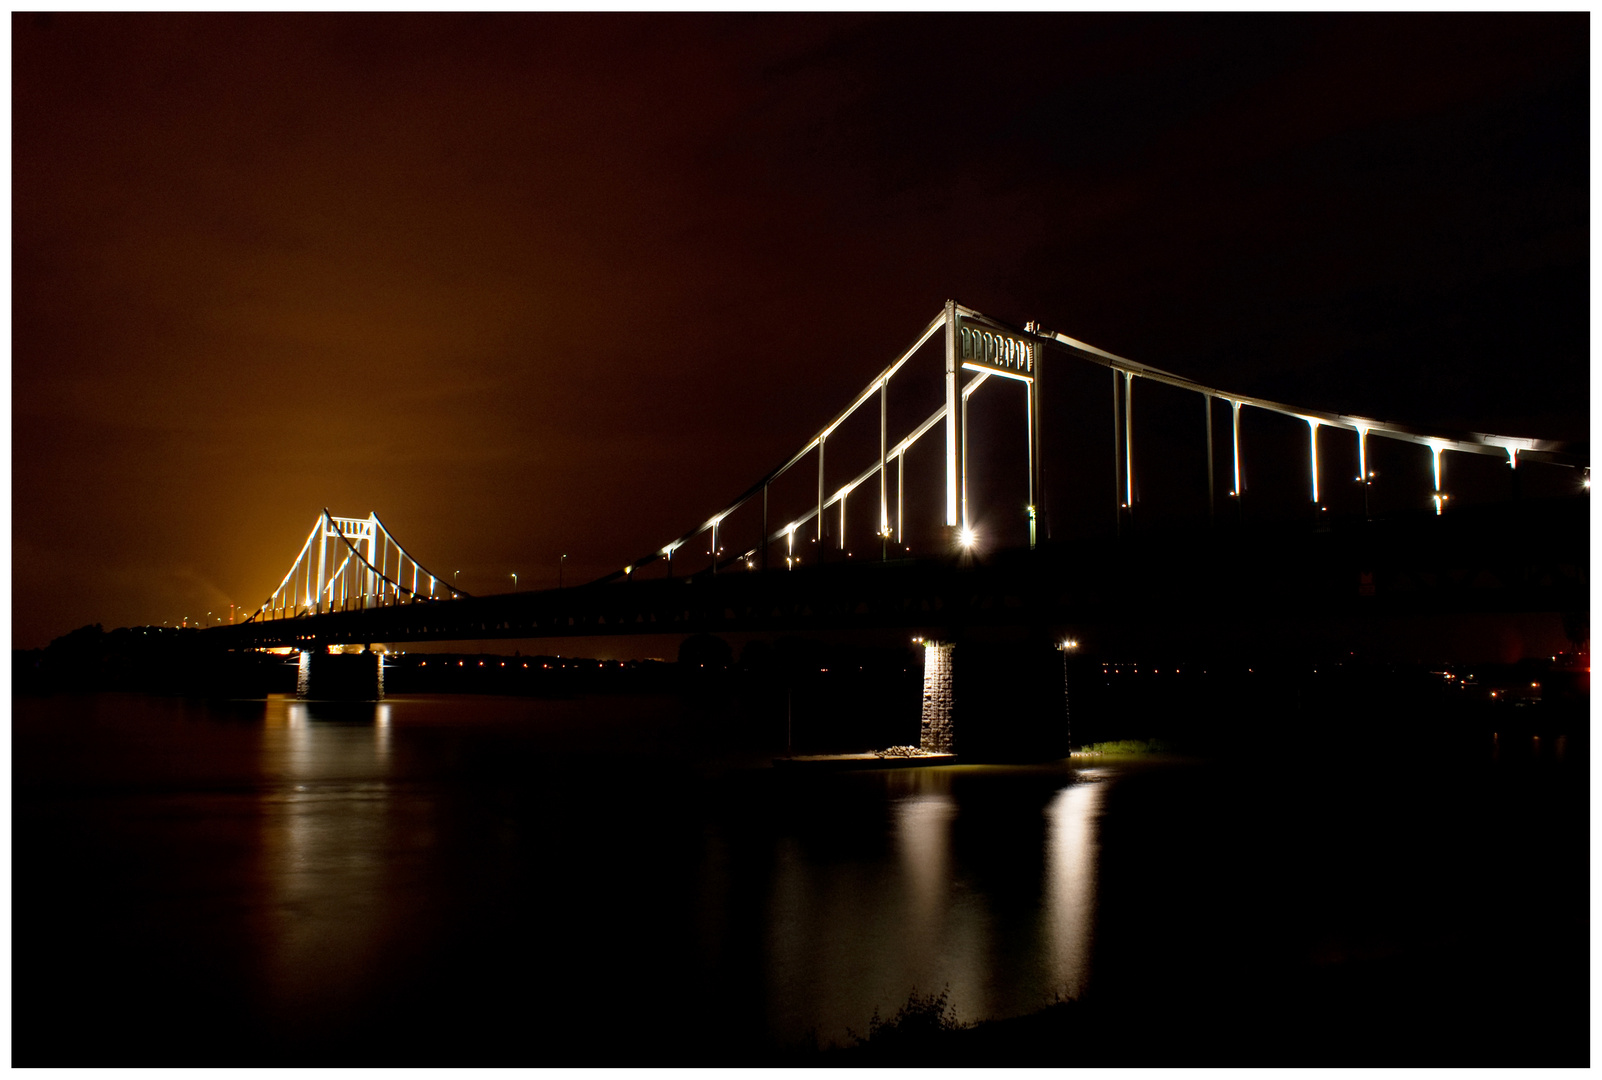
(987, 348)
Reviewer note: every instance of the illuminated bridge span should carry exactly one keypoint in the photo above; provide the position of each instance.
(1006, 613)
(352, 582)
(979, 348)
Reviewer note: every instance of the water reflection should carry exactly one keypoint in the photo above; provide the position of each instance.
(944, 926)
(923, 843)
(305, 882)
(1002, 925)
(1072, 821)
(326, 854)
(381, 731)
(1522, 747)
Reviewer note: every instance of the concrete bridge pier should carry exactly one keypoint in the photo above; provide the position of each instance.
(340, 676)
(987, 700)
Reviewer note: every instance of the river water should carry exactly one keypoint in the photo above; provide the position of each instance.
(625, 880)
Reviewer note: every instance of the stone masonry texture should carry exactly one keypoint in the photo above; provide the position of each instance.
(936, 734)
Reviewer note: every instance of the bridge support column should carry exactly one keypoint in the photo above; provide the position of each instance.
(935, 731)
(340, 676)
(1362, 468)
(322, 561)
(1037, 445)
(1129, 447)
(1008, 698)
(1435, 465)
(954, 433)
(1239, 492)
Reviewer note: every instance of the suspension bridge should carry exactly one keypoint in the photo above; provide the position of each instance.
(352, 582)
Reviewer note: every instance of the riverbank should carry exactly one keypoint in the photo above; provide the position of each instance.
(837, 762)
(1426, 1011)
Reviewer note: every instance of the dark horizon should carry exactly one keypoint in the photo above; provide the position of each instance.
(537, 285)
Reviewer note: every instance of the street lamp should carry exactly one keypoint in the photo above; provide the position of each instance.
(514, 582)
(559, 564)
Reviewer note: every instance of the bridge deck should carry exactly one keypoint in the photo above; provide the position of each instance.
(1535, 558)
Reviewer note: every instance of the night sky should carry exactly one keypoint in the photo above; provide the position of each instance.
(533, 284)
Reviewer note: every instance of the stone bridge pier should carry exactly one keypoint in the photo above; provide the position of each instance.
(996, 700)
(327, 676)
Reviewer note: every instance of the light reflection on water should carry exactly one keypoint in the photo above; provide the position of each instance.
(325, 862)
(1071, 848)
(848, 937)
(536, 876)
(325, 852)
(923, 844)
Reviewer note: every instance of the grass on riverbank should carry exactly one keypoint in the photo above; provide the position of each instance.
(1125, 748)
(926, 1032)
(1419, 1011)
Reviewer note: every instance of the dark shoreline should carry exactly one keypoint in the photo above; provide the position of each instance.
(811, 697)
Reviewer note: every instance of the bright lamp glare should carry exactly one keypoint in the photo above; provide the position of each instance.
(969, 537)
